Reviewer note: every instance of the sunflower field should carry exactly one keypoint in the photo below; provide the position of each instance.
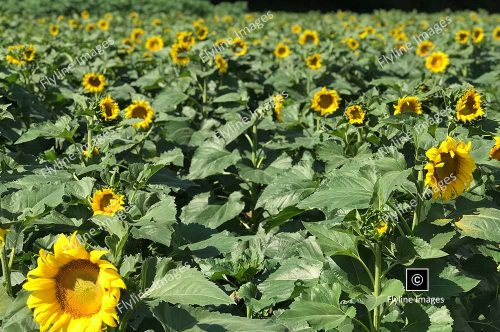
(183, 166)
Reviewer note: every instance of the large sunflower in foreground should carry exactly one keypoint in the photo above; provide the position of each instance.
(437, 62)
(325, 101)
(449, 170)
(106, 202)
(408, 104)
(469, 106)
(140, 109)
(495, 150)
(93, 82)
(73, 290)
(109, 108)
(355, 114)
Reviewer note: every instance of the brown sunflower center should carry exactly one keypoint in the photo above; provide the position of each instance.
(325, 101)
(139, 112)
(107, 203)
(313, 61)
(436, 61)
(94, 81)
(424, 49)
(449, 167)
(355, 113)
(108, 109)
(408, 107)
(281, 50)
(309, 38)
(153, 44)
(470, 106)
(77, 289)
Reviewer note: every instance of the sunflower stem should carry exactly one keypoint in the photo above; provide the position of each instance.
(5, 270)
(416, 214)
(376, 288)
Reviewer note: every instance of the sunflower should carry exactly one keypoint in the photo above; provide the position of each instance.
(129, 45)
(278, 105)
(109, 108)
(29, 53)
(469, 106)
(136, 34)
(382, 228)
(495, 150)
(424, 48)
(86, 153)
(462, 36)
(325, 101)
(90, 27)
(73, 24)
(85, 14)
(352, 43)
(296, 29)
(179, 55)
(140, 109)
(408, 104)
(199, 22)
(496, 33)
(308, 37)
(201, 32)
(156, 22)
(239, 47)
(14, 54)
(54, 30)
(185, 38)
(154, 43)
(281, 51)
(106, 202)
(437, 62)
(477, 35)
(314, 61)
(355, 114)
(449, 170)
(93, 82)
(221, 63)
(72, 289)
(103, 24)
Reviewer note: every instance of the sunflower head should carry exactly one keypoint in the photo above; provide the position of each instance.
(90, 27)
(462, 36)
(109, 108)
(325, 101)
(239, 47)
(136, 34)
(73, 24)
(86, 153)
(352, 43)
(85, 14)
(381, 228)
(140, 109)
(469, 106)
(495, 150)
(281, 51)
(408, 104)
(154, 43)
(437, 62)
(314, 61)
(201, 32)
(54, 30)
(424, 48)
(156, 22)
(296, 29)
(29, 53)
(496, 33)
(103, 24)
(449, 169)
(309, 37)
(106, 202)
(73, 289)
(93, 82)
(186, 39)
(355, 114)
(477, 35)
(179, 54)
(221, 63)
(128, 44)
(278, 105)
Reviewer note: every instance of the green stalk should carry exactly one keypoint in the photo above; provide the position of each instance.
(6, 271)
(376, 288)
(418, 208)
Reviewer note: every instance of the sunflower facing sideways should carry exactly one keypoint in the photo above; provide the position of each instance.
(496, 33)
(424, 48)
(239, 47)
(93, 82)
(281, 51)
(106, 202)
(449, 170)
(469, 106)
(140, 109)
(309, 37)
(355, 114)
(179, 54)
(408, 104)
(314, 61)
(72, 289)
(221, 63)
(325, 101)
(278, 105)
(154, 43)
(437, 62)
(495, 150)
(109, 108)
(201, 32)
(462, 36)
(477, 35)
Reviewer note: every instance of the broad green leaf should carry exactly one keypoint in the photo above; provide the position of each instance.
(484, 225)
(332, 241)
(210, 159)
